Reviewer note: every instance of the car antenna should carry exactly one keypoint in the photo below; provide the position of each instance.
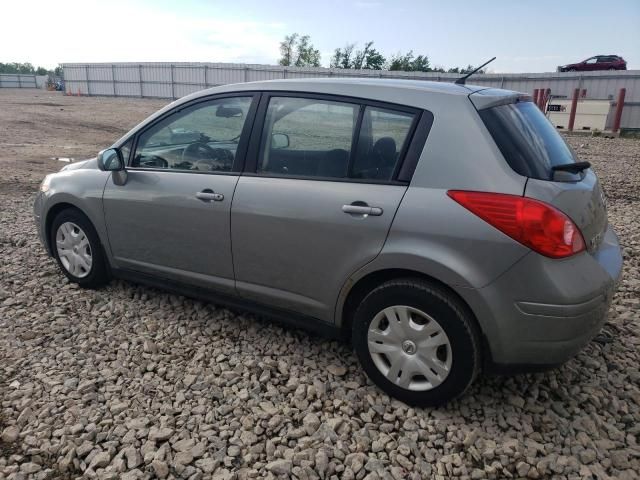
(461, 80)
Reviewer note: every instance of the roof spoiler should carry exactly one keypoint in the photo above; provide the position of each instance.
(494, 97)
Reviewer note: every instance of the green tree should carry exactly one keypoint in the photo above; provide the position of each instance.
(28, 68)
(465, 70)
(368, 58)
(16, 68)
(307, 55)
(409, 63)
(343, 57)
(296, 50)
(421, 64)
(287, 49)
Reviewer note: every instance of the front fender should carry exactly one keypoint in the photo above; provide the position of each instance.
(82, 189)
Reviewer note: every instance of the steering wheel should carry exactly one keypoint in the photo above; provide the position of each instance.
(204, 157)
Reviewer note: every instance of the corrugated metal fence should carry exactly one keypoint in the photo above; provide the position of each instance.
(174, 80)
(18, 80)
(22, 80)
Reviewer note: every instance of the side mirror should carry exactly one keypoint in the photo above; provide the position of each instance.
(110, 160)
(279, 141)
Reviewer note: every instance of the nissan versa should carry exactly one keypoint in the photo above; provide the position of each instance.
(444, 228)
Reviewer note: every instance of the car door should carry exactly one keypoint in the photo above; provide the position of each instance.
(318, 197)
(590, 64)
(171, 216)
(605, 63)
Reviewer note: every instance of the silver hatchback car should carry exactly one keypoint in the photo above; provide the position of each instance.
(444, 229)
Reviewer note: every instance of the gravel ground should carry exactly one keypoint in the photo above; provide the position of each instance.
(130, 382)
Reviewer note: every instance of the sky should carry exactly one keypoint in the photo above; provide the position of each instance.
(525, 35)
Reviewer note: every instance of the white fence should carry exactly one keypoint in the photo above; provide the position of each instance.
(18, 80)
(174, 80)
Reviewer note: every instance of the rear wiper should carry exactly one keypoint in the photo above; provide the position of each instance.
(576, 167)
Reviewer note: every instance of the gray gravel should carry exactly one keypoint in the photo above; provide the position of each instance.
(130, 382)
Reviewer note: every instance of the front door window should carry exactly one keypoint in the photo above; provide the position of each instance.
(203, 137)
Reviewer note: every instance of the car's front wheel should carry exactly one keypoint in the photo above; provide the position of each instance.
(417, 341)
(77, 249)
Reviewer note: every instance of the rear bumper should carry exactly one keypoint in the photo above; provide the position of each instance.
(542, 312)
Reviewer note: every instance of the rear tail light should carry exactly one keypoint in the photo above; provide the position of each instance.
(537, 225)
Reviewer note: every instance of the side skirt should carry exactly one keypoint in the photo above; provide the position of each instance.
(285, 317)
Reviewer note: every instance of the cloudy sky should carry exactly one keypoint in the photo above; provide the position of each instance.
(526, 36)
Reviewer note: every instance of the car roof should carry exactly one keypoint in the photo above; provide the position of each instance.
(324, 84)
(433, 96)
(416, 93)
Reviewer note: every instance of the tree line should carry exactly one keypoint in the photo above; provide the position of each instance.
(28, 68)
(298, 51)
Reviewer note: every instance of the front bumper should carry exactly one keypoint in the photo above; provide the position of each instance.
(37, 217)
(542, 312)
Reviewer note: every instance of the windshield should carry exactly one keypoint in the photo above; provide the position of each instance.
(528, 141)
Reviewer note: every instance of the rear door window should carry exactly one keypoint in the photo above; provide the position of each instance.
(307, 137)
(528, 141)
(382, 139)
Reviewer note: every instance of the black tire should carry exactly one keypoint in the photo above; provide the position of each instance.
(448, 311)
(98, 274)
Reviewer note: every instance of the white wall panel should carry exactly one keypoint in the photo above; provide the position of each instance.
(128, 89)
(125, 73)
(20, 80)
(182, 89)
(100, 73)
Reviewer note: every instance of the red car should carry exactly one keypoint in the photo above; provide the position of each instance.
(599, 62)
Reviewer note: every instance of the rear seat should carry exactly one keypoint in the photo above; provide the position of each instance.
(308, 163)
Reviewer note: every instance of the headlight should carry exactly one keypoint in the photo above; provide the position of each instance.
(44, 186)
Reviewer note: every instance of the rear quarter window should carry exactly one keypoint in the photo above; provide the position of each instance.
(528, 141)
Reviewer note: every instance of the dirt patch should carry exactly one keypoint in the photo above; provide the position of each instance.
(32, 130)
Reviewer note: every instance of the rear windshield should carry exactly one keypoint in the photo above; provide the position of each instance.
(527, 140)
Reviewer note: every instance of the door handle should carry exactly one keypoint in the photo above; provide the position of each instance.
(362, 210)
(207, 195)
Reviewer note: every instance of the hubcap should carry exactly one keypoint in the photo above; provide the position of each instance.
(74, 249)
(409, 347)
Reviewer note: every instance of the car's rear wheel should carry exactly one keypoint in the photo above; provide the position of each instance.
(611, 68)
(77, 249)
(417, 341)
